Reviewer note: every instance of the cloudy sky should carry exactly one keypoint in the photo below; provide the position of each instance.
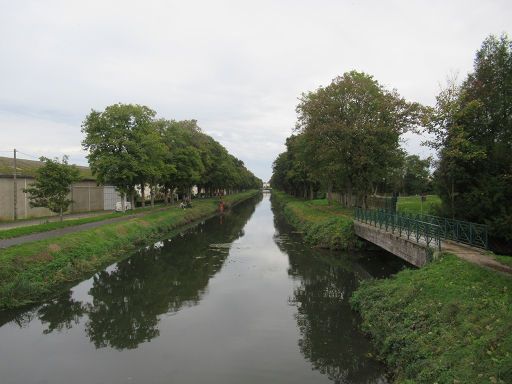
(237, 67)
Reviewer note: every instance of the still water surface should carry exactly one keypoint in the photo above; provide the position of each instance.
(236, 299)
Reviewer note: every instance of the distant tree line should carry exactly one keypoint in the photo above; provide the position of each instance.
(348, 134)
(128, 148)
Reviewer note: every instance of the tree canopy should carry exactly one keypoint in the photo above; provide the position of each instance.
(347, 137)
(472, 128)
(128, 146)
(52, 185)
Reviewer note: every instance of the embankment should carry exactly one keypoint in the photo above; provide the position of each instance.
(323, 225)
(449, 322)
(37, 270)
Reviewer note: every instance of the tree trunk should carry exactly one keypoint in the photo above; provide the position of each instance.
(329, 193)
(453, 199)
(61, 215)
(142, 194)
(152, 192)
(132, 198)
(123, 205)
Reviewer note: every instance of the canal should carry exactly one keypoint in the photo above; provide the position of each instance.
(235, 299)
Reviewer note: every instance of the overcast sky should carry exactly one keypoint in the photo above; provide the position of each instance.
(237, 67)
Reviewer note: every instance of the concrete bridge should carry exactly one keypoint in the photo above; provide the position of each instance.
(418, 238)
(415, 253)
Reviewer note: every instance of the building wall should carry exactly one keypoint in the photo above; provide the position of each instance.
(86, 196)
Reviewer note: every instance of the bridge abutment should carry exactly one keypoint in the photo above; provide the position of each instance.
(416, 254)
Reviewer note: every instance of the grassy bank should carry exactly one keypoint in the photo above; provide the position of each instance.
(37, 270)
(449, 322)
(68, 222)
(323, 225)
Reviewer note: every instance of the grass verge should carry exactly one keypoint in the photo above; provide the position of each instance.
(38, 228)
(68, 222)
(323, 225)
(449, 322)
(37, 270)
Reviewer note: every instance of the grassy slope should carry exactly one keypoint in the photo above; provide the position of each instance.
(325, 226)
(449, 322)
(412, 204)
(33, 271)
(38, 228)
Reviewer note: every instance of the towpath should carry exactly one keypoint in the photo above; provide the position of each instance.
(475, 256)
(5, 243)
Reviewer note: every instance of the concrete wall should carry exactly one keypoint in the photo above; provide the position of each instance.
(87, 196)
(414, 253)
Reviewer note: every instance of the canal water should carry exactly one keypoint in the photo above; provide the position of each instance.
(235, 299)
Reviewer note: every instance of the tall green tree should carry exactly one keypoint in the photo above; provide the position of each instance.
(353, 127)
(472, 127)
(416, 175)
(118, 145)
(52, 185)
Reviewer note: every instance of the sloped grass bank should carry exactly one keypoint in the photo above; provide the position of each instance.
(323, 225)
(449, 322)
(35, 271)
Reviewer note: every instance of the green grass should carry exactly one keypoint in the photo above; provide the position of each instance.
(22, 231)
(504, 259)
(412, 204)
(38, 228)
(38, 270)
(325, 226)
(449, 322)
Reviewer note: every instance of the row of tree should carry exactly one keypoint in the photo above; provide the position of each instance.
(129, 147)
(347, 139)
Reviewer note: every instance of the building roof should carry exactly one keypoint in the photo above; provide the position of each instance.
(28, 168)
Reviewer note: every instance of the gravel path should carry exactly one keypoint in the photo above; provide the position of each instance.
(475, 256)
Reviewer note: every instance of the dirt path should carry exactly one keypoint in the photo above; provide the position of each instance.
(64, 231)
(475, 256)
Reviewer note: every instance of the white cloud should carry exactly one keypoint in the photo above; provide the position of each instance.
(236, 66)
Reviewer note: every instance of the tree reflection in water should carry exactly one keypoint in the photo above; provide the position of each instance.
(330, 338)
(61, 313)
(164, 278)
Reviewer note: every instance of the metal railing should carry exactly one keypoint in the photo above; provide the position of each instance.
(460, 231)
(406, 226)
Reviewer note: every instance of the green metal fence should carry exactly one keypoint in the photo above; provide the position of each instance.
(460, 231)
(427, 227)
(420, 231)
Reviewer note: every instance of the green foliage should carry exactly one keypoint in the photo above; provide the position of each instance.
(472, 125)
(118, 152)
(416, 175)
(348, 137)
(38, 270)
(326, 226)
(52, 185)
(449, 322)
(128, 147)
